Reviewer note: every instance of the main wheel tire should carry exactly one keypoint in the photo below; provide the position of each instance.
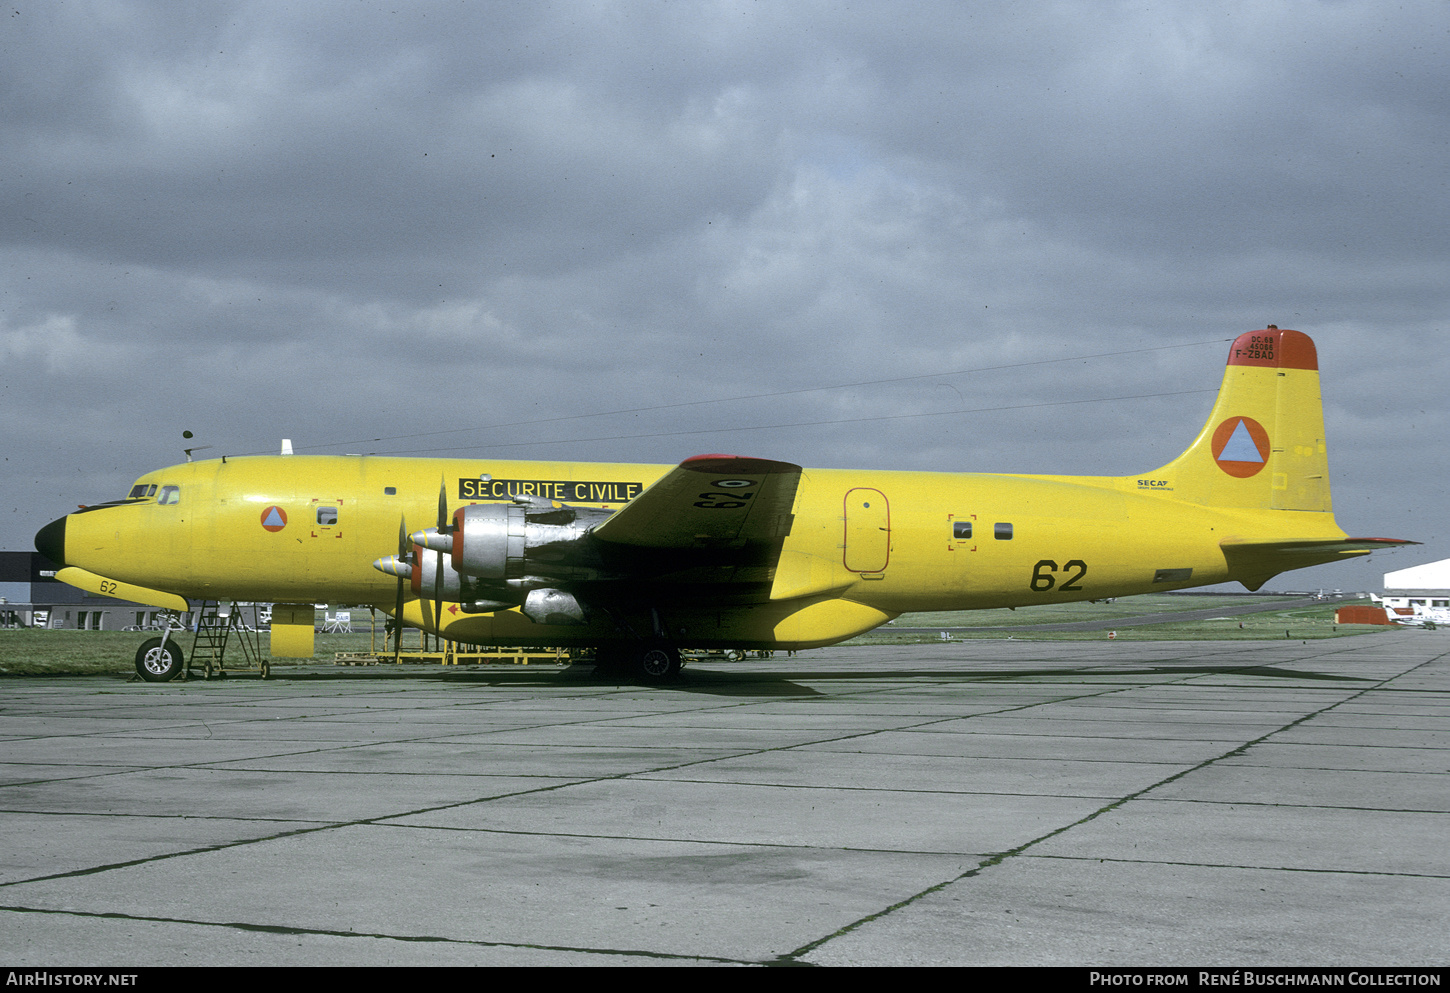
(658, 663)
(156, 664)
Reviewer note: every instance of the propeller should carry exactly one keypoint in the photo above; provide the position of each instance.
(438, 539)
(400, 565)
(404, 564)
(398, 607)
(443, 528)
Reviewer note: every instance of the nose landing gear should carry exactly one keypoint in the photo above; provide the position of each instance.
(159, 660)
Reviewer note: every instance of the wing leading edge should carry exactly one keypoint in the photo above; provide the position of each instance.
(712, 520)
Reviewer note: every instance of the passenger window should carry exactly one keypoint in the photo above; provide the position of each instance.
(1002, 532)
(961, 530)
(169, 495)
(327, 516)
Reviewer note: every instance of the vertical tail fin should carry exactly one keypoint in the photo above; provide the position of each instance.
(1263, 446)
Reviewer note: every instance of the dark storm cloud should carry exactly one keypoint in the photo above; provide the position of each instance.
(375, 225)
(265, 145)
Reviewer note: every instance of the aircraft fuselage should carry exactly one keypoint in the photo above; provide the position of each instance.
(863, 546)
(722, 551)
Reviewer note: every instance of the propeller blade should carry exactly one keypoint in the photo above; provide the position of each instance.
(438, 568)
(398, 607)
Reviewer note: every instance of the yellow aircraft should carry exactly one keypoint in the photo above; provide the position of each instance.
(720, 551)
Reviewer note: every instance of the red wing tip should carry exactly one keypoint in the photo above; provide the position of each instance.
(1386, 541)
(737, 463)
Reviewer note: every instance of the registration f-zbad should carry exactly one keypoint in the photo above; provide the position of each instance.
(721, 551)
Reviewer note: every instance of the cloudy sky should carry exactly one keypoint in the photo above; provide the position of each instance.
(951, 236)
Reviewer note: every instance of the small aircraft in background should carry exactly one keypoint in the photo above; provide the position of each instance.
(1415, 612)
(719, 551)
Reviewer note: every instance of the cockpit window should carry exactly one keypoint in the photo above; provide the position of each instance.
(169, 494)
(142, 490)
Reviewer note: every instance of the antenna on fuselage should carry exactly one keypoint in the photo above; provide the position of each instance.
(194, 448)
(286, 446)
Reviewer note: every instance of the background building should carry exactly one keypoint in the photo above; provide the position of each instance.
(31, 596)
(1425, 585)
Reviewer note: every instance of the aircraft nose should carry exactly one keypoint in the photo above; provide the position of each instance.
(50, 541)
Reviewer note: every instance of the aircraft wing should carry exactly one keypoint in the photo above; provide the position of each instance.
(713, 519)
(1256, 562)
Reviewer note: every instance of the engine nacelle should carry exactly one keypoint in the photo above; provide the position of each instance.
(431, 574)
(554, 607)
(432, 577)
(496, 543)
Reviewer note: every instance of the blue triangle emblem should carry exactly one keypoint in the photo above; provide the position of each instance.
(273, 519)
(1240, 446)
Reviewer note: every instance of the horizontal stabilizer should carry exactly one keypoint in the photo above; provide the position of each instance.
(1254, 563)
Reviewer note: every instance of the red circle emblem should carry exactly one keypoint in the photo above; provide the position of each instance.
(1241, 446)
(274, 519)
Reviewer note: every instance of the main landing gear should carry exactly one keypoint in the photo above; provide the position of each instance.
(658, 663)
(652, 663)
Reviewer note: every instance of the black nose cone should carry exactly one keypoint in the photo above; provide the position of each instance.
(50, 541)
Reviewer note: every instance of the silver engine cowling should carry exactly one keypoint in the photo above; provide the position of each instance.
(499, 555)
(500, 542)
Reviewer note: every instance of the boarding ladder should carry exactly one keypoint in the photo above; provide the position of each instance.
(216, 623)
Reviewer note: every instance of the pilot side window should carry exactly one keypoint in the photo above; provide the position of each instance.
(169, 495)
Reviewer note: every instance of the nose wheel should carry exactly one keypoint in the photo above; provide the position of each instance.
(158, 662)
